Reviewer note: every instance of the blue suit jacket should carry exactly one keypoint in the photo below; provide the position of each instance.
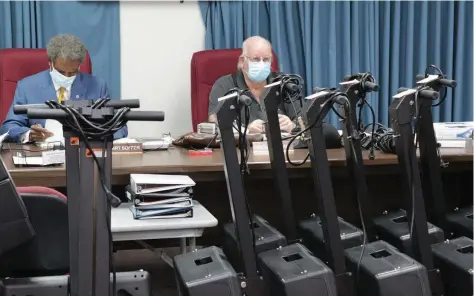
(39, 88)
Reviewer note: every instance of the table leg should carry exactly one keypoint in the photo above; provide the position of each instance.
(183, 245)
(158, 252)
(192, 244)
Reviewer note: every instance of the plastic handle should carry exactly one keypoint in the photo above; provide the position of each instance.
(427, 94)
(442, 81)
(448, 82)
(371, 86)
(291, 86)
(23, 109)
(123, 103)
(145, 116)
(40, 113)
(245, 100)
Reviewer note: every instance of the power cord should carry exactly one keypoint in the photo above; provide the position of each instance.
(103, 131)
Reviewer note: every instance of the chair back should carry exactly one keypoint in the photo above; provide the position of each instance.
(206, 67)
(18, 63)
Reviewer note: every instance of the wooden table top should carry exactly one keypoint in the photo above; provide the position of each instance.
(177, 160)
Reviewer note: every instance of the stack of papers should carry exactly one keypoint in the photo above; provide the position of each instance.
(156, 196)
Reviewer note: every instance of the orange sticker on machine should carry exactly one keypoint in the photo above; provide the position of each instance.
(74, 141)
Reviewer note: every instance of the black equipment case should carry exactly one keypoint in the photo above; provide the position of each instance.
(311, 232)
(454, 258)
(460, 222)
(293, 270)
(393, 228)
(385, 271)
(199, 273)
(266, 238)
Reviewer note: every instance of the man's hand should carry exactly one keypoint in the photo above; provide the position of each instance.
(256, 127)
(286, 125)
(39, 133)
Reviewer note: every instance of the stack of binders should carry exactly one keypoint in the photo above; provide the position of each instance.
(156, 196)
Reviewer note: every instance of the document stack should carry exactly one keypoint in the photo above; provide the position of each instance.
(156, 196)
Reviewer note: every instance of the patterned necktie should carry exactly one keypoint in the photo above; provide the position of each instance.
(61, 97)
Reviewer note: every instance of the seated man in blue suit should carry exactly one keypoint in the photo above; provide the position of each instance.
(62, 81)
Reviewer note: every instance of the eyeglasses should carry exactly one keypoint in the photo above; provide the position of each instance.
(258, 59)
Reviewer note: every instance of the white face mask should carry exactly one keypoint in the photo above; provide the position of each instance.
(61, 80)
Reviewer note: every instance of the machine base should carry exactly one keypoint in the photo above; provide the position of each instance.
(133, 283)
(206, 272)
(454, 259)
(266, 238)
(393, 228)
(293, 270)
(385, 271)
(460, 221)
(311, 231)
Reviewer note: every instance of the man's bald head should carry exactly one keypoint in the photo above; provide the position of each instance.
(254, 47)
(256, 43)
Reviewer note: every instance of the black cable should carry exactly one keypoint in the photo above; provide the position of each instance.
(330, 101)
(290, 96)
(441, 75)
(363, 78)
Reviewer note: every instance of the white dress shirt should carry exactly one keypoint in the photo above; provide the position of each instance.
(25, 137)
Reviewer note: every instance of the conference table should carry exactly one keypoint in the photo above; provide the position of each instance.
(383, 179)
(178, 161)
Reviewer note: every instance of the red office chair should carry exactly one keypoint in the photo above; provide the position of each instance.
(206, 67)
(47, 251)
(18, 63)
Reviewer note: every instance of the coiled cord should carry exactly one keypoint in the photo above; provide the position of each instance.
(290, 89)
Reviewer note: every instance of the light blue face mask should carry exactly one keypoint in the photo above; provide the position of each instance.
(258, 71)
(61, 80)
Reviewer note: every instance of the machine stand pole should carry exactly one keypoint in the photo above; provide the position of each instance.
(401, 114)
(271, 100)
(357, 168)
(325, 194)
(240, 213)
(89, 216)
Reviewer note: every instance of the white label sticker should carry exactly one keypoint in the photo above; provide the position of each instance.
(351, 82)
(232, 95)
(428, 79)
(317, 95)
(404, 93)
(273, 84)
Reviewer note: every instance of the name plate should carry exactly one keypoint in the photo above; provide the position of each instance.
(262, 147)
(127, 148)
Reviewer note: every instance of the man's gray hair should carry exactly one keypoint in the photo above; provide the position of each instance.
(67, 47)
(249, 42)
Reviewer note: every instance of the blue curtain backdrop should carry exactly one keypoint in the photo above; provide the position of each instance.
(31, 24)
(324, 41)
